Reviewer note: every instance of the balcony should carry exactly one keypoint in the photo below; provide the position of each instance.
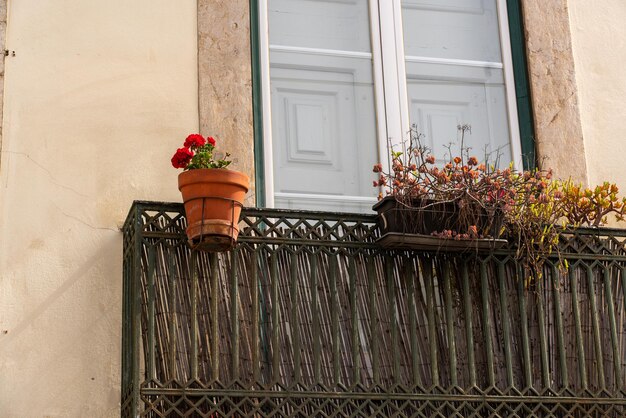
(309, 316)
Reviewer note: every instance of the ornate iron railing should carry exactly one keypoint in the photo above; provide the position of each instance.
(309, 316)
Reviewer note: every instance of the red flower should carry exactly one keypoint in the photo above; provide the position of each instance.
(195, 140)
(182, 157)
(211, 140)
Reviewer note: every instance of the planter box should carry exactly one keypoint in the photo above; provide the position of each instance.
(421, 217)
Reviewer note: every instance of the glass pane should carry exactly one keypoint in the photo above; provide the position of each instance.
(326, 24)
(454, 29)
(323, 120)
(455, 76)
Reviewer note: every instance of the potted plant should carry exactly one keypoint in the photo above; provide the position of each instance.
(472, 204)
(463, 200)
(212, 194)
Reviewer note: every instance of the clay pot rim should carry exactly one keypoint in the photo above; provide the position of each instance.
(213, 175)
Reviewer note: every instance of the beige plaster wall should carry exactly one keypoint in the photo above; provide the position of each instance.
(599, 41)
(3, 31)
(97, 98)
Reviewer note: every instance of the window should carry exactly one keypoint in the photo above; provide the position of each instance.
(341, 78)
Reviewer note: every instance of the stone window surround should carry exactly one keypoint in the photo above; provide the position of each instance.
(225, 86)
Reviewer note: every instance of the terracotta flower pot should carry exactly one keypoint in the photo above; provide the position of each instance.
(213, 199)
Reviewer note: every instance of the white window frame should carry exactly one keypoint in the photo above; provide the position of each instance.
(390, 86)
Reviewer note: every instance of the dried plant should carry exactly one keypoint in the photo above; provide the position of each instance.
(529, 208)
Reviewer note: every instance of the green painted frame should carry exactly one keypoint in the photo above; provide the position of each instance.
(257, 105)
(522, 93)
(522, 85)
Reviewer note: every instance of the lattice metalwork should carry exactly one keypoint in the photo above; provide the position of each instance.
(308, 316)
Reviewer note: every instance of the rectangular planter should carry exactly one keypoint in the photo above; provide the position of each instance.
(420, 218)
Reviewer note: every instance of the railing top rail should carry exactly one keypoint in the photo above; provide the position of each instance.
(139, 206)
(254, 211)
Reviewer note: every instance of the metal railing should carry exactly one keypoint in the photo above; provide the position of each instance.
(309, 316)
